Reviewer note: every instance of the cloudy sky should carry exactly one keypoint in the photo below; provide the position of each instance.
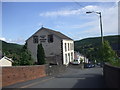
(22, 19)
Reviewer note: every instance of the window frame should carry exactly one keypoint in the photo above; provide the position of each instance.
(50, 38)
(35, 39)
(66, 58)
(65, 47)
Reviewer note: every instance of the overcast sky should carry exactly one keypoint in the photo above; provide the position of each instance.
(22, 19)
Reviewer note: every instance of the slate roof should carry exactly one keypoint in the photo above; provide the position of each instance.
(59, 34)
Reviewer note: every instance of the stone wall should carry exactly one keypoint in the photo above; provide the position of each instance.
(53, 70)
(15, 74)
(111, 76)
(54, 60)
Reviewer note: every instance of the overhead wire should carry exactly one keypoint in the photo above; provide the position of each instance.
(80, 5)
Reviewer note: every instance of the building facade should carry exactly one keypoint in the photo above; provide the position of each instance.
(59, 49)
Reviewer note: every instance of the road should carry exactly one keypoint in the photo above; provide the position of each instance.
(74, 77)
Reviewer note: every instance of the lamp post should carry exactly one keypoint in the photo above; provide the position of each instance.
(100, 23)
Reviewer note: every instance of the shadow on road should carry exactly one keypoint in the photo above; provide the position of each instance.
(90, 81)
(78, 76)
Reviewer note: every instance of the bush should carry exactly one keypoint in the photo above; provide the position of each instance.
(115, 63)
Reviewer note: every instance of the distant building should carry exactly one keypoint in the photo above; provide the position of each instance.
(76, 55)
(86, 60)
(58, 47)
(79, 56)
(5, 61)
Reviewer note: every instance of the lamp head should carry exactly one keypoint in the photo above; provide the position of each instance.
(88, 12)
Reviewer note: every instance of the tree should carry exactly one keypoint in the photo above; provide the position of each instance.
(24, 58)
(106, 53)
(40, 55)
(16, 58)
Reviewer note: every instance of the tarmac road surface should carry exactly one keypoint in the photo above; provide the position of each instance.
(74, 77)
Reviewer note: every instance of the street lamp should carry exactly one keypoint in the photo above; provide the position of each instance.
(100, 23)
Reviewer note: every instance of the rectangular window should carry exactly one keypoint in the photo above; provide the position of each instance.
(35, 39)
(72, 46)
(66, 57)
(50, 38)
(68, 46)
(71, 55)
(65, 47)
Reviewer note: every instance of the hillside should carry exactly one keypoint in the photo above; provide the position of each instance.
(89, 46)
(10, 47)
(17, 52)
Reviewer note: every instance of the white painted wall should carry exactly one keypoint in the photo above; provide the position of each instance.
(68, 51)
(5, 62)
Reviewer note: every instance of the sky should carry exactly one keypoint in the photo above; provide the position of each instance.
(20, 20)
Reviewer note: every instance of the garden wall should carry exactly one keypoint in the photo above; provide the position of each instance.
(111, 76)
(15, 74)
(55, 69)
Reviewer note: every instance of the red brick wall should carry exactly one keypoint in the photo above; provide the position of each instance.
(15, 74)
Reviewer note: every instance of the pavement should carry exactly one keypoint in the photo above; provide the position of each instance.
(74, 77)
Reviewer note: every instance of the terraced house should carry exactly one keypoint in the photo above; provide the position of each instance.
(59, 49)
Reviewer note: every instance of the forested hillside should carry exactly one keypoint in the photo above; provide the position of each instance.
(18, 53)
(10, 47)
(90, 46)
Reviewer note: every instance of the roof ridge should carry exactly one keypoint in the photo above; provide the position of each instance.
(57, 33)
(61, 35)
(49, 29)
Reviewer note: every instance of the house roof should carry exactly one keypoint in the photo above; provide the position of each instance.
(9, 59)
(59, 34)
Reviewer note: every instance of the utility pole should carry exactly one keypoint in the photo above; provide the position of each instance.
(101, 27)
(102, 41)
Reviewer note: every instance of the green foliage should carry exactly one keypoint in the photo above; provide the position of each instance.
(25, 58)
(18, 53)
(106, 53)
(40, 55)
(115, 63)
(10, 48)
(90, 47)
(16, 58)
